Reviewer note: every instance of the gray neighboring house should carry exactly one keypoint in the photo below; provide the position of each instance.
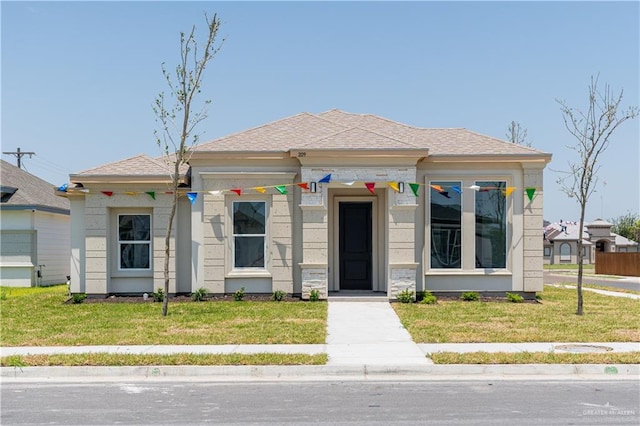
(35, 229)
(561, 242)
(326, 202)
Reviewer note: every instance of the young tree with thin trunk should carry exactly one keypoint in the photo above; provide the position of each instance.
(176, 135)
(592, 130)
(517, 134)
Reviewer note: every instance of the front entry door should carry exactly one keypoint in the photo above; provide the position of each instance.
(355, 245)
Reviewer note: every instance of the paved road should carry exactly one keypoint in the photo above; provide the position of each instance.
(551, 277)
(455, 402)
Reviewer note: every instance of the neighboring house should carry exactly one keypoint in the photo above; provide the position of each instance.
(34, 231)
(561, 242)
(327, 202)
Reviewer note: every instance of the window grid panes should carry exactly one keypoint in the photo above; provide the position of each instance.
(491, 225)
(446, 225)
(134, 241)
(249, 234)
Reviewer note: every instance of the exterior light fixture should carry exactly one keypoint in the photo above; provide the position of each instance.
(401, 187)
(313, 187)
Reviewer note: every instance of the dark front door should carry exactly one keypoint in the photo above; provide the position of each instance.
(355, 246)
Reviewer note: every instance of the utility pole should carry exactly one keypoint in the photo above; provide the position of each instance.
(19, 155)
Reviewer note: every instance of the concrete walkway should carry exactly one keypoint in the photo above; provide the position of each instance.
(369, 333)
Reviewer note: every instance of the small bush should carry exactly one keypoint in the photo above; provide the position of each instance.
(469, 296)
(278, 295)
(158, 295)
(428, 298)
(514, 298)
(78, 298)
(538, 296)
(405, 296)
(239, 295)
(199, 294)
(314, 295)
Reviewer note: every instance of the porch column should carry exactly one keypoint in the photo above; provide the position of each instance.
(533, 218)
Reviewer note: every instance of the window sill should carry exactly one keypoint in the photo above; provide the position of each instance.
(238, 273)
(478, 272)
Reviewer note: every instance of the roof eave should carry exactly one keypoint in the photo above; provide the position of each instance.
(483, 158)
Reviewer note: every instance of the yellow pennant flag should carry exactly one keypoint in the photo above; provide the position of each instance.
(509, 190)
(394, 186)
(260, 189)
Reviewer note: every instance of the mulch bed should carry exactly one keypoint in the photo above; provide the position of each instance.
(183, 298)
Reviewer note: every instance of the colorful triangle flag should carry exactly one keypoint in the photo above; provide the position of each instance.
(474, 187)
(371, 187)
(437, 187)
(63, 187)
(192, 196)
(415, 187)
(348, 183)
(281, 189)
(457, 189)
(326, 179)
(530, 192)
(131, 193)
(151, 194)
(304, 185)
(509, 190)
(237, 191)
(260, 189)
(394, 186)
(107, 193)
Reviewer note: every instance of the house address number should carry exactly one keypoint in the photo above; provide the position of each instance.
(302, 154)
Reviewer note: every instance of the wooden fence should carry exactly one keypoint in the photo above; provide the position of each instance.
(625, 264)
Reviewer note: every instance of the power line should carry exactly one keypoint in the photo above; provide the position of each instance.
(19, 154)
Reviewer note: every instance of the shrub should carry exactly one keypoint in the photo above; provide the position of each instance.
(314, 295)
(199, 294)
(278, 295)
(428, 298)
(239, 295)
(78, 298)
(158, 295)
(514, 298)
(469, 296)
(405, 296)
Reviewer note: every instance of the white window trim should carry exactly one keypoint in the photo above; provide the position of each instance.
(119, 242)
(251, 272)
(565, 257)
(462, 227)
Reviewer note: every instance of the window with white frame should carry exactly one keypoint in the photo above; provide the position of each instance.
(134, 241)
(446, 225)
(249, 234)
(565, 252)
(491, 224)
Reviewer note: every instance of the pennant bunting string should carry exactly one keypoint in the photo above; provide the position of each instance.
(371, 187)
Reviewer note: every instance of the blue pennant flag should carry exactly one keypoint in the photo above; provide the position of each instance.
(457, 189)
(63, 187)
(326, 179)
(192, 197)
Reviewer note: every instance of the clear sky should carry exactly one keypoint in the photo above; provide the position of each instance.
(79, 78)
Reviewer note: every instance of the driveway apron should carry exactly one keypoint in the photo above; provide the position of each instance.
(369, 333)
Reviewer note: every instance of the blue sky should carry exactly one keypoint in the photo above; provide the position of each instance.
(79, 78)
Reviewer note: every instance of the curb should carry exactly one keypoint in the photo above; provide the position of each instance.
(326, 372)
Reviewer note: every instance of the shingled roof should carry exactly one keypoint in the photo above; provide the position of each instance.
(22, 190)
(329, 130)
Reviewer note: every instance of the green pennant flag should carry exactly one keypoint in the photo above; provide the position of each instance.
(151, 194)
(281, 189)
(415, 187)
(530, 192)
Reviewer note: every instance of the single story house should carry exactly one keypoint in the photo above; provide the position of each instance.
(34, 231)
(327, 202)
(561, 242)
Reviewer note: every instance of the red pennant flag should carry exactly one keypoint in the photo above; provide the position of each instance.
(304, 185)
(237, 191)
(107, 193)
(370, 186)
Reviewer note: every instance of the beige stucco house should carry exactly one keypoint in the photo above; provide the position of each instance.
(331, 202)
(560, 244)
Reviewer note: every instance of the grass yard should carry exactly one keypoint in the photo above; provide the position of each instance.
(535, 358)
(39, 317)
(606, 319)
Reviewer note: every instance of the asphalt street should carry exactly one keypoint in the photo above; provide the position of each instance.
(452, 402)
(551, 277)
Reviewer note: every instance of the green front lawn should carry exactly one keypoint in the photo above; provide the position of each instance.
(606, 319)
(39, 317)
